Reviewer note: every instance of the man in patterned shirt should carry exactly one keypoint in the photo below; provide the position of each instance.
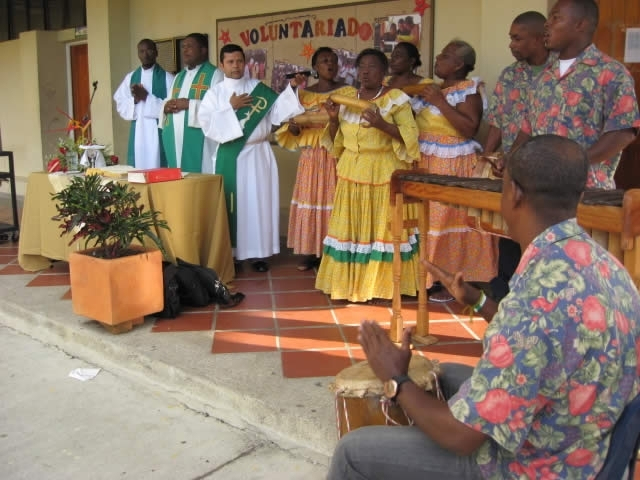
(505, 116)
(561, 355)
(584, 94)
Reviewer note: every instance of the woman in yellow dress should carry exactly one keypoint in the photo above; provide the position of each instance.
(448, 116)
(313, 192)
(370, 145)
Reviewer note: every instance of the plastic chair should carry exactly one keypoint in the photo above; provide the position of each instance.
(625, 441)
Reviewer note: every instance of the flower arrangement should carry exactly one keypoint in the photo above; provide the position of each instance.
(107, 214)
(69, 151)
(68, 148)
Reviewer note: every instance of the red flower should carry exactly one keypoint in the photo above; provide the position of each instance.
(496, 406)
(603, 269)
(581, 399)
(579, 252)
(626, 104)
(514, 95)
(543, 304)
(579, 457)
(573, 98)
(114, 159)
(500, 354)
(593, 314)
(605, 77)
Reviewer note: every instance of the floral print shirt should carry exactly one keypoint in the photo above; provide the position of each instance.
(593, 97)
(508, 102)
(560, 362)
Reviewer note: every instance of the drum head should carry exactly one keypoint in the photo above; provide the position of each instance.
(359, 380)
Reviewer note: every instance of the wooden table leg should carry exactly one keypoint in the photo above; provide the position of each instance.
(421, 335)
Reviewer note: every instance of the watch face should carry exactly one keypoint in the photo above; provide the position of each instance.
(390, 388)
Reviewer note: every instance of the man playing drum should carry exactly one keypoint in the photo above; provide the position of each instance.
(560, 355)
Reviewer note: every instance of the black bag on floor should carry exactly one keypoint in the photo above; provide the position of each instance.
(216, 290)
(170, 286)
(191, 289)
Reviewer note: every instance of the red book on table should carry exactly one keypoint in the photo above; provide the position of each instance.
(153, 175)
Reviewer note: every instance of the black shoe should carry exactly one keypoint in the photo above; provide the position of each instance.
(260, 266)
(435, 288)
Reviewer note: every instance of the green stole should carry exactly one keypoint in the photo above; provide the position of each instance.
(193, 139)
(159, 90)
(227, 155)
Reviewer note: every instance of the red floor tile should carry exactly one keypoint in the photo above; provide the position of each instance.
(254, 320)
(6, 259)
(43, 280)
(314, 364)
(304, 318)
(239, 342)
(354, 313)
(255, 301)
(311, 338)
(301, 299)
(57, 267)
(252, 285)
(185, 322)
(288, 284)
(9, 249)
(14, 269)
(207, 308)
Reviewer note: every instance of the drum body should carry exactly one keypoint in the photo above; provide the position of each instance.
(359, 399)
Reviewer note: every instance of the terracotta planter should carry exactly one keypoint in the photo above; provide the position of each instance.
(119, 291)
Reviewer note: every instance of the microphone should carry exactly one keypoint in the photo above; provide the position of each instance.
(306, 73)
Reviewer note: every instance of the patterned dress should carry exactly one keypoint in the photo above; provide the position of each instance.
(593, 97)
(358, 250)
(313, 192)
(561, 361)
(451, 243)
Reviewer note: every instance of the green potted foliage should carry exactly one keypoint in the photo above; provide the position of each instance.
(114, 280)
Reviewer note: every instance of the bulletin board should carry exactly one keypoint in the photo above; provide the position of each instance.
(281, 43)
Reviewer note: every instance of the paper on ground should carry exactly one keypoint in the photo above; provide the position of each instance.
(84, 374)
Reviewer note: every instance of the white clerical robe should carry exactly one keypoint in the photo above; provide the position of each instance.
(209, 147)
(146, 114)
(258, 195)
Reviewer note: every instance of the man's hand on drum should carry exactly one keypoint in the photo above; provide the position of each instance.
(384, 357)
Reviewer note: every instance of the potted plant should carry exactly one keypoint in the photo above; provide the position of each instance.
(113, 281)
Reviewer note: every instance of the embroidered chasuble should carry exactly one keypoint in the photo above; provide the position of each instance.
(245, 159)
(227, 154)
(183, 143)
(158, 90)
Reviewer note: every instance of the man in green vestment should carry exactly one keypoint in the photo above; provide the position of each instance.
(183, 140)
(139, 99)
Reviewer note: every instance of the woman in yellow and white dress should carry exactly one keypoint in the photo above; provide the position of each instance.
(448, 116)
(313, 192)
(370, 145)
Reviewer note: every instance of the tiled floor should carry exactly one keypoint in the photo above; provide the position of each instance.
(283, 312)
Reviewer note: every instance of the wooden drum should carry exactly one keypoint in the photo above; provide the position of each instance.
(359, 398)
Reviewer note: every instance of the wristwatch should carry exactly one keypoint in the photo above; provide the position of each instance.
(391, 388)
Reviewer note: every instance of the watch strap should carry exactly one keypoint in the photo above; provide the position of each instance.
(399, 379)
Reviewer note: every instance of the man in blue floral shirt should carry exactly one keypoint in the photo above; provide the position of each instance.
(561, 355)
(584, 94)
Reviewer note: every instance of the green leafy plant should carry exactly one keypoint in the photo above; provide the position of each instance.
(107, 214)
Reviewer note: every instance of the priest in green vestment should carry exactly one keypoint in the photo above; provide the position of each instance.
(139, 99)
(239, 113)
(184, 143)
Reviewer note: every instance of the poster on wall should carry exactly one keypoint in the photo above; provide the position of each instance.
(282, 43)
